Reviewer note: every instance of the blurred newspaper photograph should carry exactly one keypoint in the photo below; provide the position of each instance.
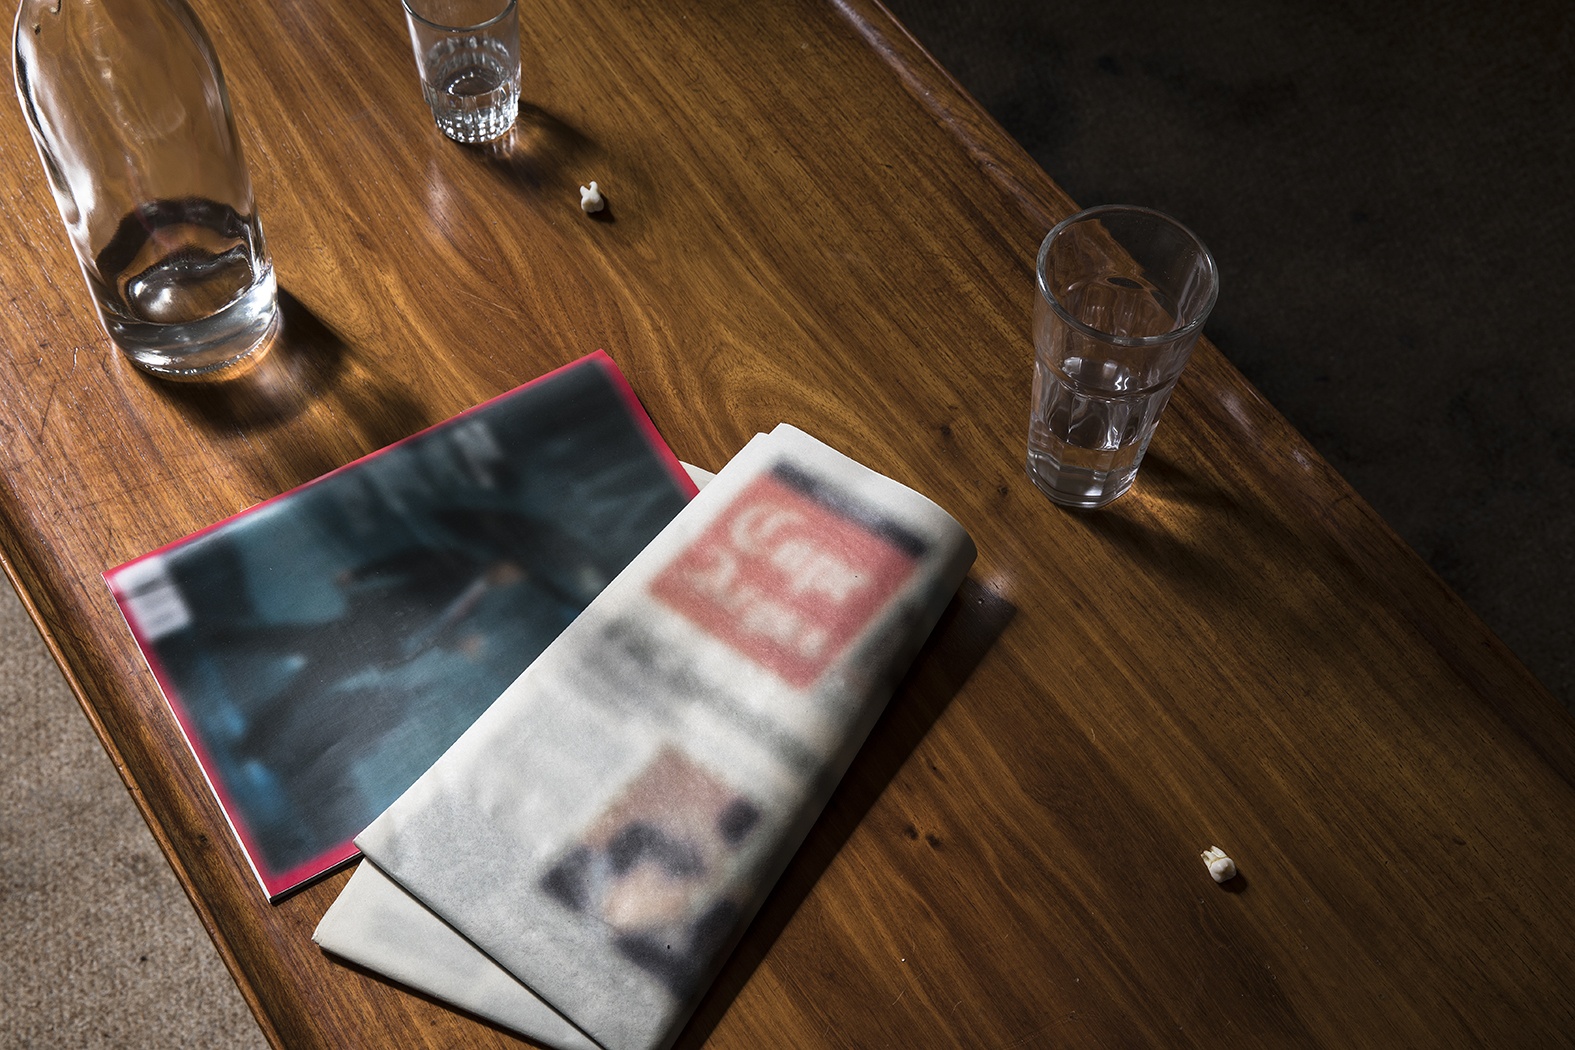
(322, 649)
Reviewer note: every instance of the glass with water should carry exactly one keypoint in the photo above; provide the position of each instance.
(1122, 296)
(468, 53)
(128, 108)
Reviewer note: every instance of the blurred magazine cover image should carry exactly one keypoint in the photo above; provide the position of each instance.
(322, 649)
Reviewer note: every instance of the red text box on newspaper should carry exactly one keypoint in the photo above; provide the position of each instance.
(785, 577)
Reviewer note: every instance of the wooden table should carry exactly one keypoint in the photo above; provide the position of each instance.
(810, 222)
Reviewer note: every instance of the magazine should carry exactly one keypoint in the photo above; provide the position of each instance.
(322, 649)
(604, 832)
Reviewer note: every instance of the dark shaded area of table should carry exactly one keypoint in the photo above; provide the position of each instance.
(1386, 188)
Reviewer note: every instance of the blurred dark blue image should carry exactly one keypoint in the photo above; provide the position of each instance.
(325, 648)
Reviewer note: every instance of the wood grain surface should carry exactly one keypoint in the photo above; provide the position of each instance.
(809, 221)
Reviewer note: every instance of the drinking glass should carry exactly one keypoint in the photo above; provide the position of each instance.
(1122, 296)
(468, 52)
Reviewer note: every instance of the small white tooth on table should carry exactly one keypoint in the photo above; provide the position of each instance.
(591, 198)
(1221, 867)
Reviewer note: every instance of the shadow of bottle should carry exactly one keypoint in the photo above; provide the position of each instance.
(306, 364)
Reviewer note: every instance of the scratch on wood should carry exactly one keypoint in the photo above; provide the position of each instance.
(489, 302)
(54, 388)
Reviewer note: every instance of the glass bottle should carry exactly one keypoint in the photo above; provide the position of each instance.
(132, 121)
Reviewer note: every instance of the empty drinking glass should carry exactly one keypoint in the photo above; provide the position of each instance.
(1122, 296)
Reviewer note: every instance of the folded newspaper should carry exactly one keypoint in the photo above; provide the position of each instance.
(579, 863)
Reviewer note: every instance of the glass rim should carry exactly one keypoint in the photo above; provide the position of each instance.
(442, 27)
(1102, 210)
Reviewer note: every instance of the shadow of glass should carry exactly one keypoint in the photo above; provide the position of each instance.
(967, 630)
(1201, 574)
(1168, 480)
(1244, 565)
(533, 153)
(1175, 526)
